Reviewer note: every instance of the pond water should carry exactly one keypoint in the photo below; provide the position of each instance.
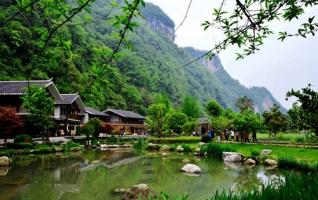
(94, 175)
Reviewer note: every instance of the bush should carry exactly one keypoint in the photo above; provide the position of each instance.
(23, 138)
(215, 150)
(186, 148)
(206, 139)
(254, 153)
(20, 145)
(289, 163)
(69, 145)
(139, 145)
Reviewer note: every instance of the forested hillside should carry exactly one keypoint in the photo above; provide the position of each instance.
(148, 63)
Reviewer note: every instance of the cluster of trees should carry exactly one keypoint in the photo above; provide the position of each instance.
(162, 118)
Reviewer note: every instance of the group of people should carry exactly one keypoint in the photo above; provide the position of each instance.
(231, 135)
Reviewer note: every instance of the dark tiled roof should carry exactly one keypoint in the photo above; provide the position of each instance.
(18, 87)
(92, 111)
(69, 98)
(126, 114)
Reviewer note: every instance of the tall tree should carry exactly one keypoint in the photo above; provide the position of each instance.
(176, 120)
(191, 107)
(40, 106)
(213, 108)
(244, 103)
(274, 120)
(308, 99)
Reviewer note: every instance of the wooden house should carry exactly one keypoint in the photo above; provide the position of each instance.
(127, 122)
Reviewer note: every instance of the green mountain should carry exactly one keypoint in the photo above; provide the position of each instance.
(147, 64)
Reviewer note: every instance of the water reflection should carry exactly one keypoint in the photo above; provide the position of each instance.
(63, 177)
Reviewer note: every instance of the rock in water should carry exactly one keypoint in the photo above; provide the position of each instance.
(179, 149)
(191, 168)
(4, 161)
(266, 152)
(165, 148)
(250, 161)
(232, 157)
(270, 162)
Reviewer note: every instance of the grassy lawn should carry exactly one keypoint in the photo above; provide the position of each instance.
(300, 154)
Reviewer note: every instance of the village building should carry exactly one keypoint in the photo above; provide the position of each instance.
(93, 113)
(68, 108)
(126, 122)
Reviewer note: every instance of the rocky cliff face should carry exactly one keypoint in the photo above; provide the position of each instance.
(158, 20)
(261, 97)
(158, 25)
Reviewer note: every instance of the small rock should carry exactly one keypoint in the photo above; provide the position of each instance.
(95, 161)
(164, 154)
(152, 146)
(266, 152)
(4, 171)
(233, 165)
(58, 149)
(5, 161)
(201, 143)
(120, 190)
(128, 146)
(179, 149)
(140, 187)
(197, 150)
(75, 148)
(270, 162)
(113, 146)
(232, 157)
(185, 160)
(249, 161)
(191, 168)
(165, 148)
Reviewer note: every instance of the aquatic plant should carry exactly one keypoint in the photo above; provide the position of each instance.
(290, 163)
(214, 150)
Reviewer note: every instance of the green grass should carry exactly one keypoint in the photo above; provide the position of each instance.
(295, 186)
(299, 154)
(288, 137)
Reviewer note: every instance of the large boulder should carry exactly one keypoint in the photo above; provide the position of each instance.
(5, 161)
(141, 190)
(191, 169)
(266, 152)
(232, 157)
(270, 162)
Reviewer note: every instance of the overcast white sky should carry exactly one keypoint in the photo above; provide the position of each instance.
(278, 66)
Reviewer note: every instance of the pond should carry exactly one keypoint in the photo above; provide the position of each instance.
(94, 175)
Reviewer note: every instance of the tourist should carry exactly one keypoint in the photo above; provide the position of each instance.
(227, 134)
(254, 136)
(212, 133)
(232, 135)
(237, 135)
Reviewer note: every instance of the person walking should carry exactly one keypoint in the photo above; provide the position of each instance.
(232, 135)
(254, 136)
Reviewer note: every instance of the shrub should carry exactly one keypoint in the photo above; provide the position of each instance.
(205, 139)
(139, 145)
(289, 163)
(20, 145)
(254, 153)
(23, 138)
(215, 150)
(69, 145)
(186, 148)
